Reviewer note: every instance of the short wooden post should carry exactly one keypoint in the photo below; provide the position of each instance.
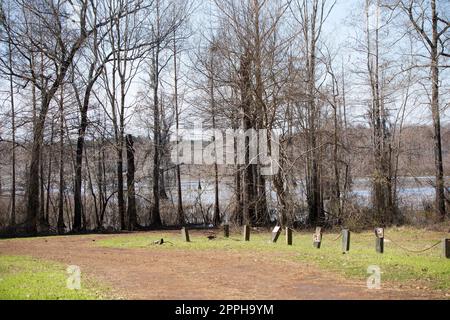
(185, 234)
(288, 236)
(276, 233)
(446, 248)
(246, 233)
(379, 241)
(379, 244)
(317, 238)
(345, 240)
(226, 230)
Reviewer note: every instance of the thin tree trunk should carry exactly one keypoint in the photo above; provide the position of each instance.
(41, 190)
(216, 213)
(248, 198)
(155, 217)
(12, 221)
(120, 185)
(440, 195)
(132, 214)
(261, 122)
(33, 173)
(94, 196)
(49, 174)
(180, 212)
(61, 225)
(238, 209)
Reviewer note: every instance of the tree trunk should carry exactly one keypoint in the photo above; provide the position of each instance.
(12, 221)
(180, 212)
(33, 189)
(238, 209)
(216, 213)
(440, 195)
(61, 225)
(41, 218)
(77, 225)
(155, 217)
(314, 195)
(132, 214)
(120, 185)
(49, 175)
(248, 198)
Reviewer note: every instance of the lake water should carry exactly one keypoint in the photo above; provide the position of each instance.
(412, 192)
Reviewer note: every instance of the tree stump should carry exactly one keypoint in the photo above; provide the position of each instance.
(289, 236)
(185, 234)
(226, 230)
(246, 233)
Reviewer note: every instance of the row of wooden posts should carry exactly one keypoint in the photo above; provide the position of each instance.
(317, 238)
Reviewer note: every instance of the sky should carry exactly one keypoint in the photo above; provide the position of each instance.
(338, 29)
(339, 34)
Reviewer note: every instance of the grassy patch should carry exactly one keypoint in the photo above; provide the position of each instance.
(427, 269)
(25, 278)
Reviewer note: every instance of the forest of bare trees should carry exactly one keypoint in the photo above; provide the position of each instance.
(94, 95)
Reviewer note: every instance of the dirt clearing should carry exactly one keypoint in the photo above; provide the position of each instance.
(200, 274)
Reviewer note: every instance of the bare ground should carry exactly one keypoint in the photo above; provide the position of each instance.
(203, 274)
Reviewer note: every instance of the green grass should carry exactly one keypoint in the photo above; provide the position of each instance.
(428, 269)
(25, 278)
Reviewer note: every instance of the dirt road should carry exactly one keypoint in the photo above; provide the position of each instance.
(203, 274)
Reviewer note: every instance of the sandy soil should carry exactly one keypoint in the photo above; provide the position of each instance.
(204, 274)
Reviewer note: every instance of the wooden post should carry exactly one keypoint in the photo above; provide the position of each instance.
(246, 233)
(276, 233)
(379, 244)
(446, 248)
(317, 238)
(288, 236)
(379, 241)
(226, 230)
(345, 240)
(185, 234)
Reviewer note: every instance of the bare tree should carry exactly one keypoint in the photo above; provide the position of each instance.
(433, 28)
(382, 177)
(311, 16)
(58, 40)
